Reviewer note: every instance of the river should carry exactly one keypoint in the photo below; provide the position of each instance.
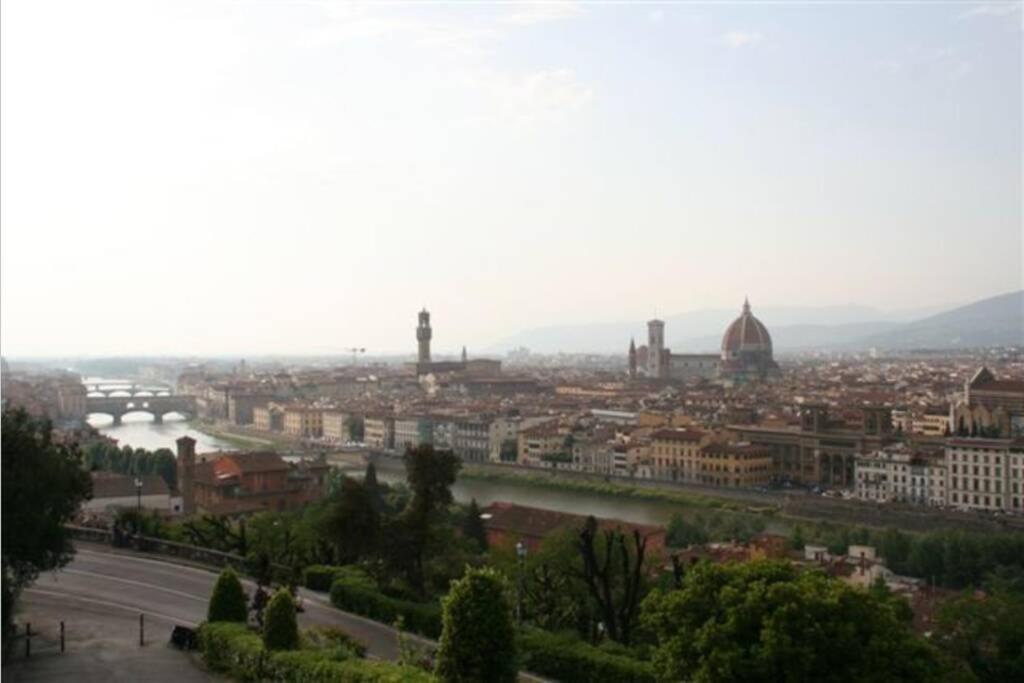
(575, 502)
(139, 431)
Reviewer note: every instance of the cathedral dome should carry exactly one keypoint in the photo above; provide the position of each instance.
(746, 334)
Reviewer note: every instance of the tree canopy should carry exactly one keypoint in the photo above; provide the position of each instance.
(43, 487)
(772, 621)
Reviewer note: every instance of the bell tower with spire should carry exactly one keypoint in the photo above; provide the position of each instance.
(423, 335)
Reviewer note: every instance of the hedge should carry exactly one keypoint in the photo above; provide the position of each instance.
(566, 658)
(353, 591)
(319, 577)
(233, 649)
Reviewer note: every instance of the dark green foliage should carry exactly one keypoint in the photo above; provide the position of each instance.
(478, 640)
(351, 522)
(356, 427)
(238, 652)
(43, 487)
(681, 533)
(565, 657)
(108, 457)
(473, 526)
(430, 474)
(767, 620)
(280, 629)
(615, 576)
(412, 537)
(354, 591)
(323, 637)
(373, 487)
(228, 600)
(320, 577)
(987, 632)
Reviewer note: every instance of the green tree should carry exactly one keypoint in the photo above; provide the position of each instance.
(473, 526)
(373, 488)
(615, 576)
(987, 632)
(478, 637)
(43, 487)
(351, 523)
(681, 533)
(771, 621)
(430, 474)
(355, 426)
(280, 628)
(228, 600)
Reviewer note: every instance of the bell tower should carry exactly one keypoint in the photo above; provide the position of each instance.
(423, 334)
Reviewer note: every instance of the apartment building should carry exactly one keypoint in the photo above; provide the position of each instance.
(540, 441)
(303, 421)
(379, 431)
(674, 454)
(411, 432)
(735, 465)
(335, 425)
(902, 473)
(985, 474)
(268, 418)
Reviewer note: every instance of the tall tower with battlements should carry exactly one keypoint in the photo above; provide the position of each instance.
(423, 334)
(656, 368)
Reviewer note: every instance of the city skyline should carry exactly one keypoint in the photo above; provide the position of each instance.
(277, 186)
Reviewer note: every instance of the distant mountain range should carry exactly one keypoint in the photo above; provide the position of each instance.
(997, 321)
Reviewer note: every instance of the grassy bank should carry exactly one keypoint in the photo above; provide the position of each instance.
(607, 488)
(242, 441)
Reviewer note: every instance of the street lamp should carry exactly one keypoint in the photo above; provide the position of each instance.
(138, 495)
(521, 556)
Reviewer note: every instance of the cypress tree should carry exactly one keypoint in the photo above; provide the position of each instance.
(280, 629)
(473, 526)
(228, 600)
(478, 641)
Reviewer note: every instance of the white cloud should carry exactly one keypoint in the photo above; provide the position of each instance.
(540, 12)
(996, 9)
(528, 99)
(738, 39)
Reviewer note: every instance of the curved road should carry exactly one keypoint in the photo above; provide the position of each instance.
(104, 583)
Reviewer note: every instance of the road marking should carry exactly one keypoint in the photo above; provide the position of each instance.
(141, 584)
(107, 603)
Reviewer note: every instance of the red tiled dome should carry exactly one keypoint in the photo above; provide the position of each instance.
(746, 333)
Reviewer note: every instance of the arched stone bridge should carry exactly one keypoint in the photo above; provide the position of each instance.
(157, 406)
(131, 390)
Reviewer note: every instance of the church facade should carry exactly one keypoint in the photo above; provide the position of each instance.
(745, 356)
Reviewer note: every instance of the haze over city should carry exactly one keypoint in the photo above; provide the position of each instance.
(258, 178)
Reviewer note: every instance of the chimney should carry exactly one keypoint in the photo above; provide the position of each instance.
(186, 468)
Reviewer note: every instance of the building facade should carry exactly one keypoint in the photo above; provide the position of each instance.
(902, 473)
(985, 474)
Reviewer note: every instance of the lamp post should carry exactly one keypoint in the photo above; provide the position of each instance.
(138, 496)
(521, 556)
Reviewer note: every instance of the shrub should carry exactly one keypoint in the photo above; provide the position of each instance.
(566, 658)
(353, 591)
(280, 630)
(327, 637)
(235, 650)
(319, 577)
(228, 600)
(478, 642)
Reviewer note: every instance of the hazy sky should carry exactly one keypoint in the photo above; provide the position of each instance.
(220, 177)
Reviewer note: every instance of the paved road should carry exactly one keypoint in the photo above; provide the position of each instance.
(123, 584)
